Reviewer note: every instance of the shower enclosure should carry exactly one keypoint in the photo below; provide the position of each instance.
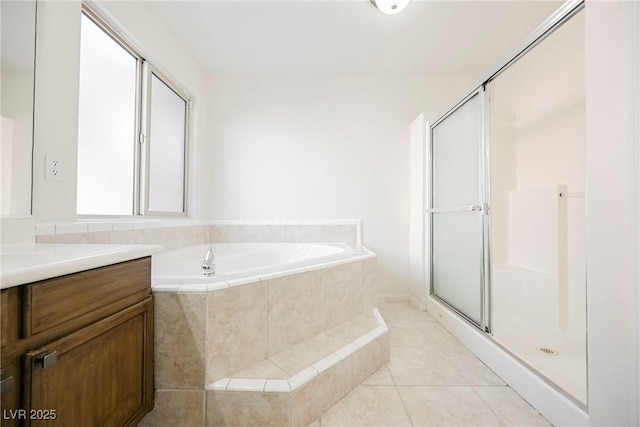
(507, 211)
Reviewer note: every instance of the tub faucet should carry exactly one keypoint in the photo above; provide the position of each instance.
(208, 265)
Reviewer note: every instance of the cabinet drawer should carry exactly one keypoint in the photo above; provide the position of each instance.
(56, 301)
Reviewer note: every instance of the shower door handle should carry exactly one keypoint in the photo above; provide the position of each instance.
(473, 208)
(483, 207)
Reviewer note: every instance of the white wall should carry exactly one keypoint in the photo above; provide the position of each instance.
(56, 106)
(57, 73)
(613, 132)
(323, 148)
(557, 143)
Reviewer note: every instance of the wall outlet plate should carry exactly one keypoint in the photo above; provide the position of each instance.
(54, 167)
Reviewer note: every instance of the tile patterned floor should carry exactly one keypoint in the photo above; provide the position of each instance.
(431, 380)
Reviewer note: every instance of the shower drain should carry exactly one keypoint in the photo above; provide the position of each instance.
(548, 351)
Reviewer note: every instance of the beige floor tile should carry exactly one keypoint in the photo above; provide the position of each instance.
(475, 372)
(406, 335)
(453, 348)
(447, 406)
(411, 333)
(380, 377)
(368, 406)
(423, 366)
(512, 409)
(402, 311)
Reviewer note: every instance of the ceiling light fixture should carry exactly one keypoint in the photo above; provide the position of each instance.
(390, 6)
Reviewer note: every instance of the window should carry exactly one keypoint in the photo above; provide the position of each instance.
(132, 130)
(167, 125)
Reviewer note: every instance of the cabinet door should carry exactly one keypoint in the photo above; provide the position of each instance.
(10, 391)
(101, 375)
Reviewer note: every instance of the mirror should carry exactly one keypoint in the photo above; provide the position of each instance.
(18, 39)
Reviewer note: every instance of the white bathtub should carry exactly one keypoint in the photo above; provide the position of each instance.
(243, 263)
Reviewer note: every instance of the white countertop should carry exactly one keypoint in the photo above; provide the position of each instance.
(20, 264)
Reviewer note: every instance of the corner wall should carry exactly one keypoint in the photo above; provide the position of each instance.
(323, 147)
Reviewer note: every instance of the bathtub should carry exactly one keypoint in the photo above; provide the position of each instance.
(265, 299)
(243, 263)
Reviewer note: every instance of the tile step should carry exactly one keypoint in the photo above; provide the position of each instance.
(289, 394)
(292, 368)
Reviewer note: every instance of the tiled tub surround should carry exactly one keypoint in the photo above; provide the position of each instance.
(283, 346)
(173, 234)
(234, 327)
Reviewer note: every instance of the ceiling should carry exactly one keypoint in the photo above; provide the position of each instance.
(325, 37)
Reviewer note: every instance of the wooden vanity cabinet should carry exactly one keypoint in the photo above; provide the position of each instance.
(84, 355)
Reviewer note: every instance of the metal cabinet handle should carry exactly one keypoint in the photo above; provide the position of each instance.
(6, 384)
(48, 360)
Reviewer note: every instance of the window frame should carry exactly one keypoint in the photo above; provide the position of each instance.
(140, 141)
(150, 70)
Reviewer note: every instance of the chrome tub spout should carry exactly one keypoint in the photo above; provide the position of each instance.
(208, 265)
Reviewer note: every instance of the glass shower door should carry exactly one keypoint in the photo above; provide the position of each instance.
(456, 211)
(537, 110)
